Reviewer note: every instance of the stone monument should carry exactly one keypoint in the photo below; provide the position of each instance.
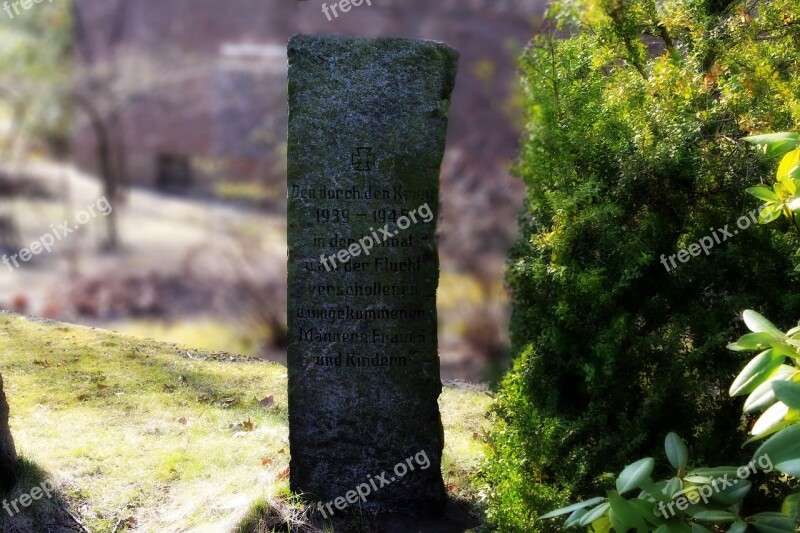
(367, 128)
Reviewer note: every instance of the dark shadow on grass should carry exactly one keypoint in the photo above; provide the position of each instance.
(46, 514)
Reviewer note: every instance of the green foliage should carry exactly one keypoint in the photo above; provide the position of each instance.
(525, 438)
(783, 197)
(770, 378)
(772, 381)
(632, 152)
(687, 502)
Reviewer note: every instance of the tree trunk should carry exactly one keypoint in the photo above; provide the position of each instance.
(105, 156)
(9, 471)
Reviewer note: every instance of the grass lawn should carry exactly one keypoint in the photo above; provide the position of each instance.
(143, 436)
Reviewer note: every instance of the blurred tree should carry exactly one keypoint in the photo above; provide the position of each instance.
(34, 96)
(42, 85)
(100, 93)
(35, 81)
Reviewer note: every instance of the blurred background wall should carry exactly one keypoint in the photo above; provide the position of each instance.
(177, 113)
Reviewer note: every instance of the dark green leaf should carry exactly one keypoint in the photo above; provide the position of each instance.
(623, 515)
(788, 392)
(783, 450)
(738, 527)
(752, 341)
(763, 396)
(571, 508)
(677, 453)
(594, 514)
(575, 518)
(635, 474)
(777, 144)
(757, 371)
(759, 324)
(715, 517)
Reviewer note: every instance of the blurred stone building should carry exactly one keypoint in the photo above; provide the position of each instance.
(194, 94)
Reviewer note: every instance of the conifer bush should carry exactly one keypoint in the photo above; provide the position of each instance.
(633, 152)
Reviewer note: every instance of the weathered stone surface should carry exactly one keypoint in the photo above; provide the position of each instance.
(9, 473)
(367, 127)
